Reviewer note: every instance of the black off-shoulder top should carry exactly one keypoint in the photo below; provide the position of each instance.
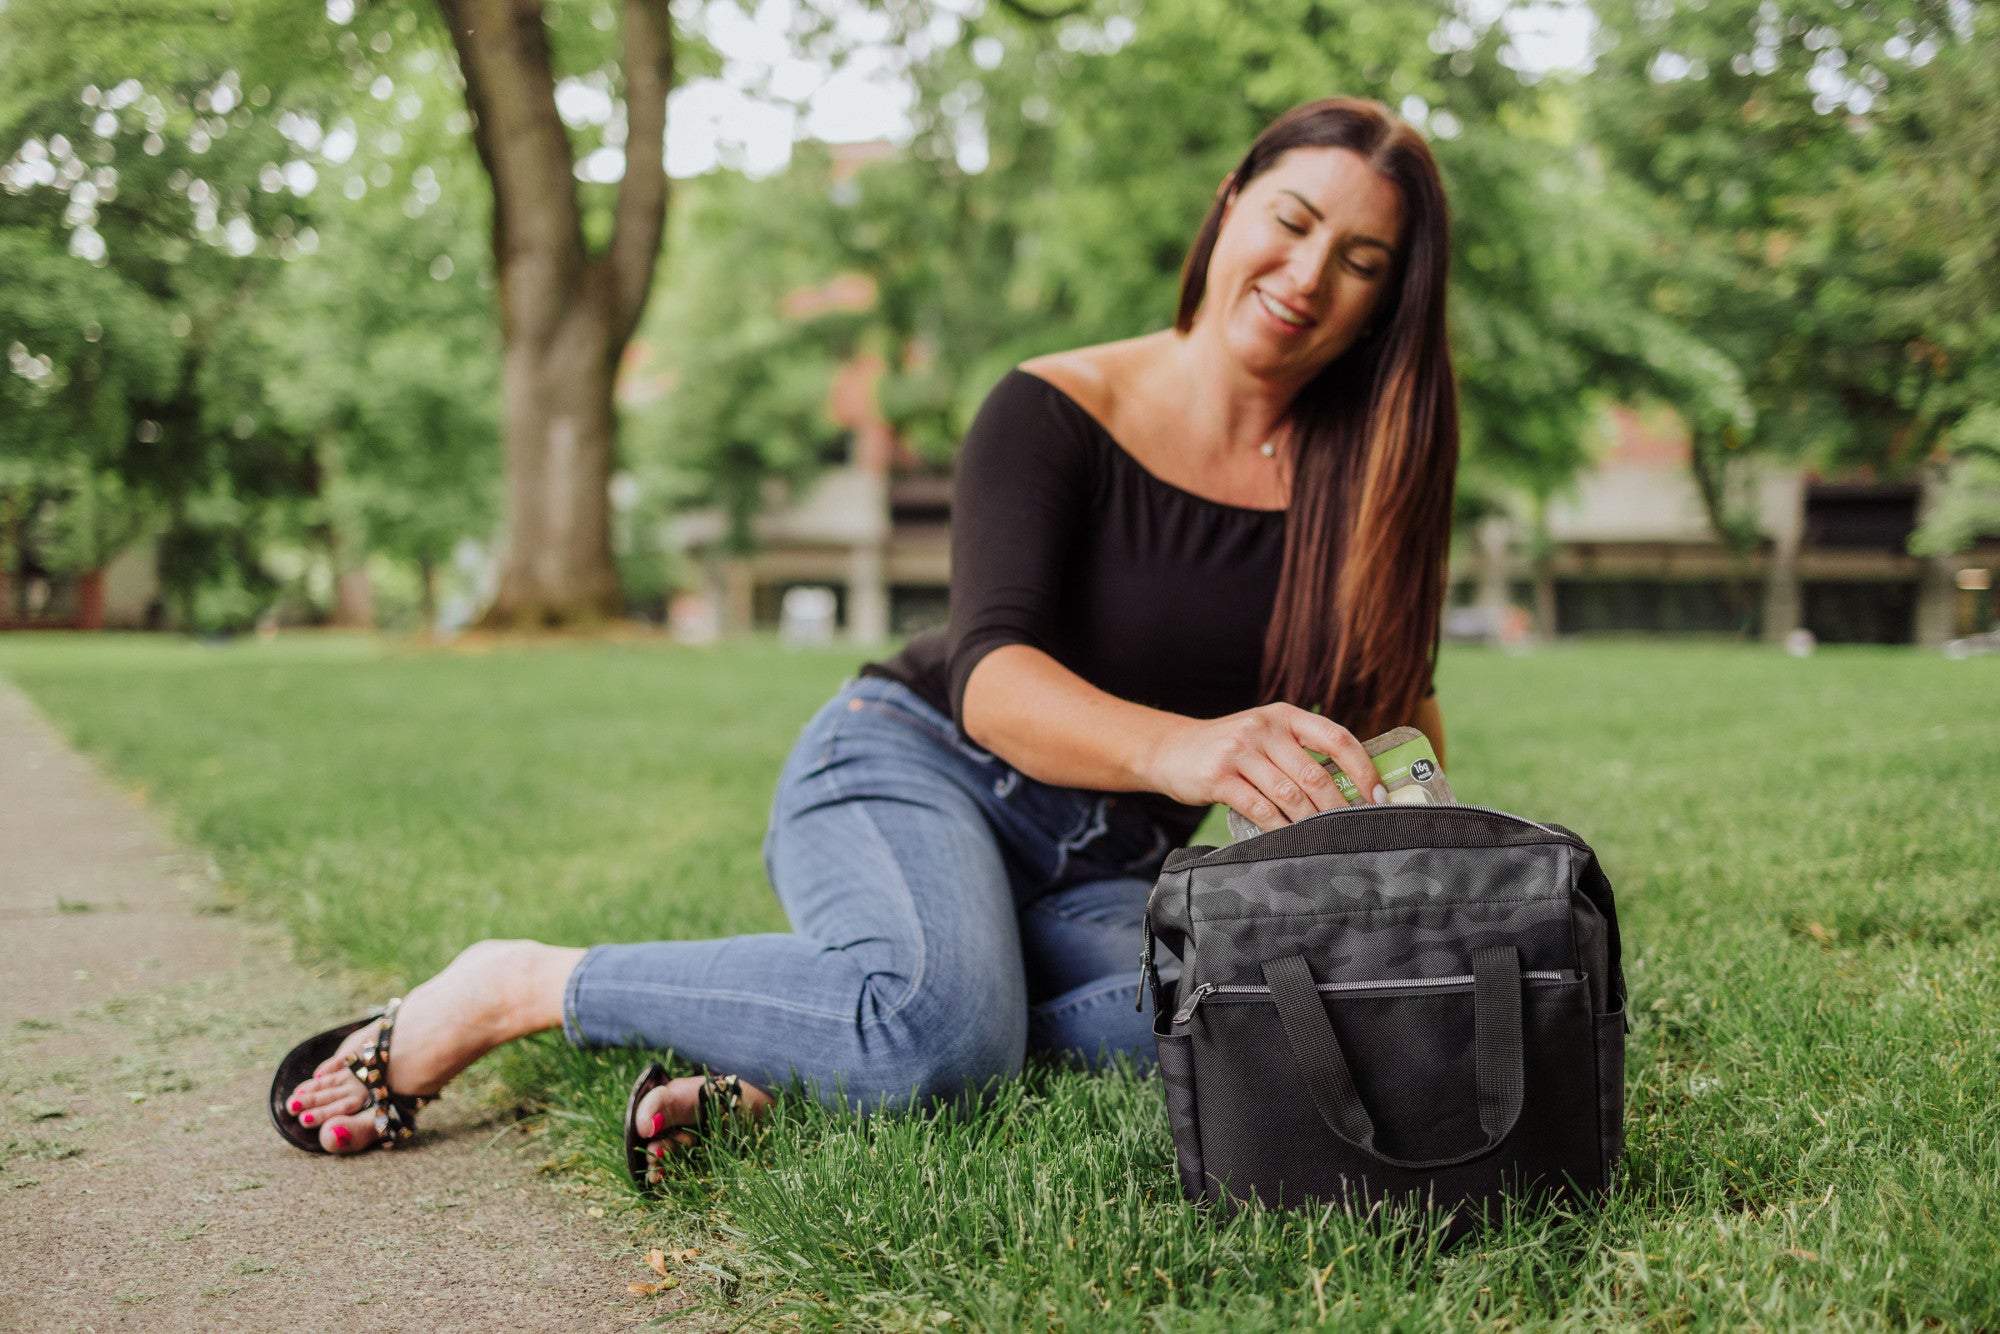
(1062, 540)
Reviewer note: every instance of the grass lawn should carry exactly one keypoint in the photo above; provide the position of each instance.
(1806, 854)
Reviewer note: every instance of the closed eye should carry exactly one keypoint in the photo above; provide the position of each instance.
(1294, 228)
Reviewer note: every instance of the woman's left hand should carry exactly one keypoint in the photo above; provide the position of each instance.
(1260, 764)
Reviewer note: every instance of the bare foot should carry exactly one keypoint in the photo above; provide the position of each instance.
(491, 993)
(673, 1104)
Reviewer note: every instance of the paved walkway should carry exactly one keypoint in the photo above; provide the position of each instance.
(141, 1184)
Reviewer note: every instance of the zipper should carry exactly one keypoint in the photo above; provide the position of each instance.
(1146, 973)
(1207, 989)
(1568, 838)
(1557, 834)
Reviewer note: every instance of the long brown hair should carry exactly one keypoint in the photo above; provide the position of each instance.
(1355, 627)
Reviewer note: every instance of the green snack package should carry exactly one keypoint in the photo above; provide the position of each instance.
(1409, 769)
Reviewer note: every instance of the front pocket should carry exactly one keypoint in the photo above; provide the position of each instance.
(1409, 1046)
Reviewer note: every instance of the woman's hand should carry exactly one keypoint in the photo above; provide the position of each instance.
(1256, 762)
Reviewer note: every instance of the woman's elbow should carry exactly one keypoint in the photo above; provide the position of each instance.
(985, 704)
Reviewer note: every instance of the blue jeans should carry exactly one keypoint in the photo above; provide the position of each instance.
(949, 915)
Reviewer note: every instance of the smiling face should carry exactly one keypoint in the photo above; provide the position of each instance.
(1303, 257)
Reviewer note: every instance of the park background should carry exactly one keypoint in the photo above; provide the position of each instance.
(1725, 303)
(320, 319)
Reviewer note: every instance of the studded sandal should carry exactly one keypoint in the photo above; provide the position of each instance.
(719, 1095)
(395, 1114)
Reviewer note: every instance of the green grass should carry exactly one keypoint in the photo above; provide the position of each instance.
(1806, 853)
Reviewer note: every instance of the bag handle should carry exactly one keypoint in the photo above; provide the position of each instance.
(1496, 1011)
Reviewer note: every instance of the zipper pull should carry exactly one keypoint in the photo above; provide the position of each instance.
(1187, 1011)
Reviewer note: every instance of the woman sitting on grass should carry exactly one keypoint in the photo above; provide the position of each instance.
(1161, 549)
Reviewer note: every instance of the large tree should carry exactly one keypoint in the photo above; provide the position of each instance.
(567, 307)
(1821, 208)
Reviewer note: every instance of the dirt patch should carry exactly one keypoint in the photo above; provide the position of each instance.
(141, 1183)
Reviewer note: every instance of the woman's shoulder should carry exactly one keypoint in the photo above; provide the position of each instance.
(1098, 379)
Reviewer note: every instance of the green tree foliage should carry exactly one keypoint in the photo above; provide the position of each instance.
(249, 293)
(1821, 181)
(1059, 170)
(382, 344)
(146, 192)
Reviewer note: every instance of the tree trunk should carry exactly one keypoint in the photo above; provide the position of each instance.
(353, 593)
(1737, 531)
(566, 313)
(556, 567)
(89, 599)
(10, 549)
(354, 600)
(427, 593)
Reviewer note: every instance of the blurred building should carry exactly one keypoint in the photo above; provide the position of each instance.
(1630, 549)
(874, 528)
(124, 595)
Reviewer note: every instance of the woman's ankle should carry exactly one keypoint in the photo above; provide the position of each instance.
(533, 979)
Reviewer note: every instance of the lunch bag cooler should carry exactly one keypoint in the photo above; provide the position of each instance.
(1381, 1003)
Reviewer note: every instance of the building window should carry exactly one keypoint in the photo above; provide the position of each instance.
(914, 608)
(1860, 613)
(1656, 606)
(1861, 518)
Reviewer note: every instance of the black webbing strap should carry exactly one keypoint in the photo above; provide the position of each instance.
(1496, 1010)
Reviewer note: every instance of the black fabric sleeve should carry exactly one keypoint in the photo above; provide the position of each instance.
(1019, 490)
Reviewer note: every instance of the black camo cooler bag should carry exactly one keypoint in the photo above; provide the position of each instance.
(1391, 1002)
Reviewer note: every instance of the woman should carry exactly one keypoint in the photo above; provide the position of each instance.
(1161, 548)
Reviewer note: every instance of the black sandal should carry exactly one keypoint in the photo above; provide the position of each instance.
(395, 1113)
(719, 1095)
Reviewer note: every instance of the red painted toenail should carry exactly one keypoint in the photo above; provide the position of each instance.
(296, 1104)
(307, 1119)
(659, 1119)
(340, 1135)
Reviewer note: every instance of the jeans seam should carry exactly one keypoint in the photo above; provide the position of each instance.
(751, 997)
(909, 900)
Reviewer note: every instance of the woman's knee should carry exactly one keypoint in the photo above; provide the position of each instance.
(991, 1050)
(930, 1059)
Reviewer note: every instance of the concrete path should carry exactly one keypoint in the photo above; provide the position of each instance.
(142, 1186)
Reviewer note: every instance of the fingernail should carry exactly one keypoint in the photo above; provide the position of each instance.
(296, 1104)
(307, 1119)
(341, 1135)
(1381, 795)
(659, 1120)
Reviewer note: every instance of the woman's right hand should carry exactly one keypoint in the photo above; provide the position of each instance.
(1256, 763)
